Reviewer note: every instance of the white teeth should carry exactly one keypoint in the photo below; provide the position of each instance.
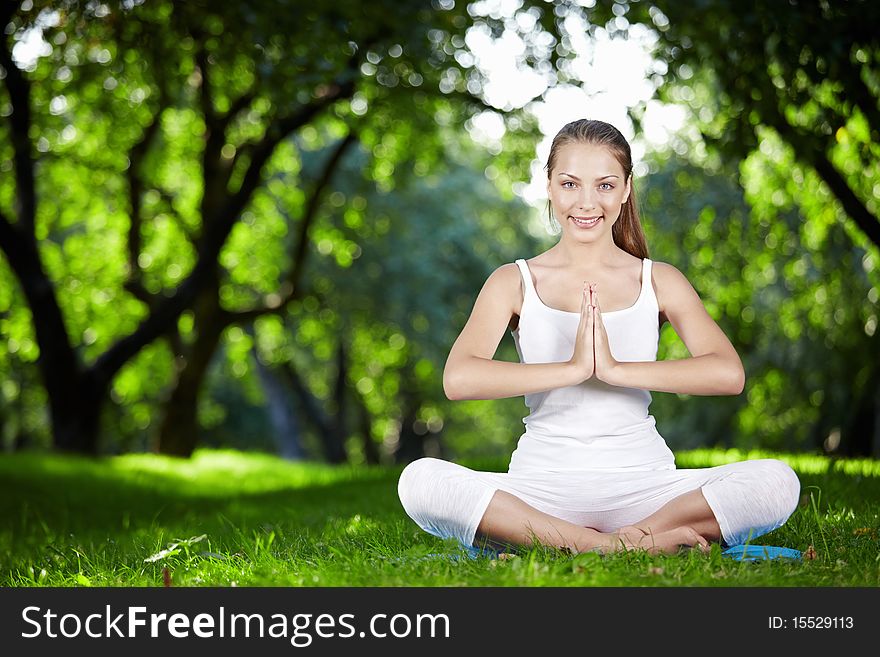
(590, 222)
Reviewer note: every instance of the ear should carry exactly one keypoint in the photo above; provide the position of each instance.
(628, 188)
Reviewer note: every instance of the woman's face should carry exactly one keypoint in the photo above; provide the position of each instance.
(587, 188)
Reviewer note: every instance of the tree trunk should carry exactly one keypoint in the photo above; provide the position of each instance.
(365, 422)
(410, 445)
(76, 419)
(179, 430)
(330, 429)
(336, 438)
(410, 442)
(858, 435)
(75, 396)
(288, 433)
(875, 438)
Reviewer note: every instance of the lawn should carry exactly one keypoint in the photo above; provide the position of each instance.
(226, 518)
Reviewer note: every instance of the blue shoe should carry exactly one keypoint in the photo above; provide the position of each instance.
(466, 552)
(476, 552)
(760, 552)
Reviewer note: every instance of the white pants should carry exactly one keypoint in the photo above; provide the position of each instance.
(749, 498)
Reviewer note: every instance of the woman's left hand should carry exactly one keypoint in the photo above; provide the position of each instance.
(605, 362)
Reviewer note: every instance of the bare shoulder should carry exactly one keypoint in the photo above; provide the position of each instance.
(492, 314)
(682, 307)
(672, 288)
(668, 277)
(505, 284)
(509, 272)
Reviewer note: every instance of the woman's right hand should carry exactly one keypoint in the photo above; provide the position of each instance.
(583, 359)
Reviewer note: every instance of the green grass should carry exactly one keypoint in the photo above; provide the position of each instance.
(229, 519)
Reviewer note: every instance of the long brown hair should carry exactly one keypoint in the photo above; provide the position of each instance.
(627, 230)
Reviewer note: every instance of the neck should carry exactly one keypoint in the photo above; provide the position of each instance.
(602, 252)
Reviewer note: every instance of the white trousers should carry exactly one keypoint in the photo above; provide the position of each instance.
(748, 498)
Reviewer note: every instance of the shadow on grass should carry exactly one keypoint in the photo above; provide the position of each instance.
(71, 494)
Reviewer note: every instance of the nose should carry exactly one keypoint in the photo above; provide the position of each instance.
(586, 198)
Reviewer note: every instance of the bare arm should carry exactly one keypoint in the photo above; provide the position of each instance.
(714, 367)
(710, 374)
(471, 372)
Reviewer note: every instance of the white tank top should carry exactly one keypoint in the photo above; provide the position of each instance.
(591, 425)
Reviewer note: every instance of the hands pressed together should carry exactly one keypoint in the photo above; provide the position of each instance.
(592, 353)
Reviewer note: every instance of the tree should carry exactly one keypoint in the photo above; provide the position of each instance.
(186, 110)
(792, 304)
(392, 279)
(791, 90)
(807, 70)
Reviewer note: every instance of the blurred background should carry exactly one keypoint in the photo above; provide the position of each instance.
(261, 225)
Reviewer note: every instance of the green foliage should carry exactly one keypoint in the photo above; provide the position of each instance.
(128, 104)
(416, 217)
(787, 94)
(798, 311)
(398, 304)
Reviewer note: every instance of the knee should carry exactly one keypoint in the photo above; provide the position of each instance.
(412, 484)
(785, 483)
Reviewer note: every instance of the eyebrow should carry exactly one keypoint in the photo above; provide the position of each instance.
(610, 175)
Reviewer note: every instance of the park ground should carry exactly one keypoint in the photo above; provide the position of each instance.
(227, 518)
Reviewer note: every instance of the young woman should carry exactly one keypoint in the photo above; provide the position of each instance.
(591, 472)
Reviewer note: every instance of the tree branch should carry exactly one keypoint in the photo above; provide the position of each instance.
(216, 230)
(134, 284)
(12, 243)
(166, 196)
(867, 103)
(276, 133)
(224, 167)
(205, 92)
(214, 194)
(310, 403)
(809, 149)
(136, 156)
(238, 105)
(216, 169)
(851, 203)
(290, 288)
(58, 363)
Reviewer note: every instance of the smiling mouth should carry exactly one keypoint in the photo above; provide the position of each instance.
(585, 222)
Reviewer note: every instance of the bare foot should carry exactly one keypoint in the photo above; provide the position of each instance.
(629, 537)
(673, 540)
(667, 542)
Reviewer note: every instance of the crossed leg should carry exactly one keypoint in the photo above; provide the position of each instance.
(690, 509)
(508, 520)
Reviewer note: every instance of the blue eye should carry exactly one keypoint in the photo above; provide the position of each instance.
(606, 186)
(567, 182)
